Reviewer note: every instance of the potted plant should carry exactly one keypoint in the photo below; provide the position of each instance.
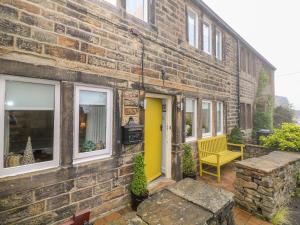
(138, 187)
(188, 163)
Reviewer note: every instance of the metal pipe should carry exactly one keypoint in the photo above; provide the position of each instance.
(238, 81)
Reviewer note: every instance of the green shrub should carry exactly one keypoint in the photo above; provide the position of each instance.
(236, 136)
(188, 163)
(139, 182)
(282, 217)
(287, 138)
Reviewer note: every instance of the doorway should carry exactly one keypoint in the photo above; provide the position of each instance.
(158, 112)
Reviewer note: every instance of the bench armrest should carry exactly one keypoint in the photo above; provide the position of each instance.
(241, 146)
(236, 145)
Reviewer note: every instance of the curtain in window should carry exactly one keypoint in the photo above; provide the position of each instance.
(96, 124)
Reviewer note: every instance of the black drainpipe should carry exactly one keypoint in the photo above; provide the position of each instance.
(238, 81)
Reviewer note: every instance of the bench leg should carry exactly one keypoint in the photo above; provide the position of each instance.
(201, 169)
(219, 173)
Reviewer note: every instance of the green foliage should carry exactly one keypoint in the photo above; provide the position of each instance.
(282, 217)
(263, 115)
(262, 83)
(262, 120)
(139, 182)
(88, 146)
(287, 138)
(283, 115)
(188, 164)
(236, 136)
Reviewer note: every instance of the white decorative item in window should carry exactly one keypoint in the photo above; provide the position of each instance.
(191, 119)
(219, 45)
(206, 119)
(138, 8)
(93, 123)
(220, 123)
(29, 120)
(207, 37)
(192, 28)
(113, 2)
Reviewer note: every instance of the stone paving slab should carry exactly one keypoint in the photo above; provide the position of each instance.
(269, 163)
(211, 198)
(166, 208)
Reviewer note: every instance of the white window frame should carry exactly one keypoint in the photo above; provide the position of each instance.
(145, 19)
(208, 23)
(219, 57)
(196, 44)
(100, 154)
(206, 135)
(112, 2)
(194, 136)
(222, 118)
(12, 171)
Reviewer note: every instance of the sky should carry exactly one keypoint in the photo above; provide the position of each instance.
(272, 27)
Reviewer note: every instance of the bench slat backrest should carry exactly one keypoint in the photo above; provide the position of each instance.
(214, 145)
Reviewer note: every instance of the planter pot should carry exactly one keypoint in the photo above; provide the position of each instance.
(194, 177)
(136, 200)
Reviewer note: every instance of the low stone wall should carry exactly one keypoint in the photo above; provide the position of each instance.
(265, 184)
(252, 151)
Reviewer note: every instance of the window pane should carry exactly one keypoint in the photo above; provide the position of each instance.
(192, 28)
(219, 45)
(219, 117)
(206, 37)
(137, 8)
(190, 118)
(92, 121)
(28, 123)
(206, 117)
(113, 2)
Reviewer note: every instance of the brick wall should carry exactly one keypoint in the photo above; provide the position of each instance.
(90, 42)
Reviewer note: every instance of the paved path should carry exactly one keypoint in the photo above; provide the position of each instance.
(228, 176)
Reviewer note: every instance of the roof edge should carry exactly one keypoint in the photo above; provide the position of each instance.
(231, 30)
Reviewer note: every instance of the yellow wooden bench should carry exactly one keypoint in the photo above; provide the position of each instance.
(214, 152)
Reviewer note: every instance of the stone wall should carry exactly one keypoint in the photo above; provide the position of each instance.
(253, 151)
(265, 184)
(93, 42)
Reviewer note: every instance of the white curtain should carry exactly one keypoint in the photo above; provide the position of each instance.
(6, 133)
(96, 124)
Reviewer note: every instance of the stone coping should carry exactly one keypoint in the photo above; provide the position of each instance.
(269, 163)
(200, 193)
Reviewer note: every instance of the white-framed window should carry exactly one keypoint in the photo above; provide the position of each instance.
(206, 118)
(29, 125)
(219, 44)
(191, 119)
(113, 2)
(206, 37)
(138, 8)
(192, 23)
(92, 123)
(220, 123)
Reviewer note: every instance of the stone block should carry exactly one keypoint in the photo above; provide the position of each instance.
(16, 200)
(8, 26)
(6, 40)
(53, 190)
(31, 46)
(8, 12)
(102, 188)
(64, 53)
(83, 182)
(116, 193)
(14, 215)
(81, 194)
(57, 202)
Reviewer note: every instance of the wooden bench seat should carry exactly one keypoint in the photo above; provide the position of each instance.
(214, 151)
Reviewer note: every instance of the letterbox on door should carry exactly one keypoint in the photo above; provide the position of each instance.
(132, 133)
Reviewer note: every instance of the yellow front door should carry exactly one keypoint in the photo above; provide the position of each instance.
(153, 138)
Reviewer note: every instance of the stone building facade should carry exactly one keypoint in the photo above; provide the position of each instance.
(74, 47)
